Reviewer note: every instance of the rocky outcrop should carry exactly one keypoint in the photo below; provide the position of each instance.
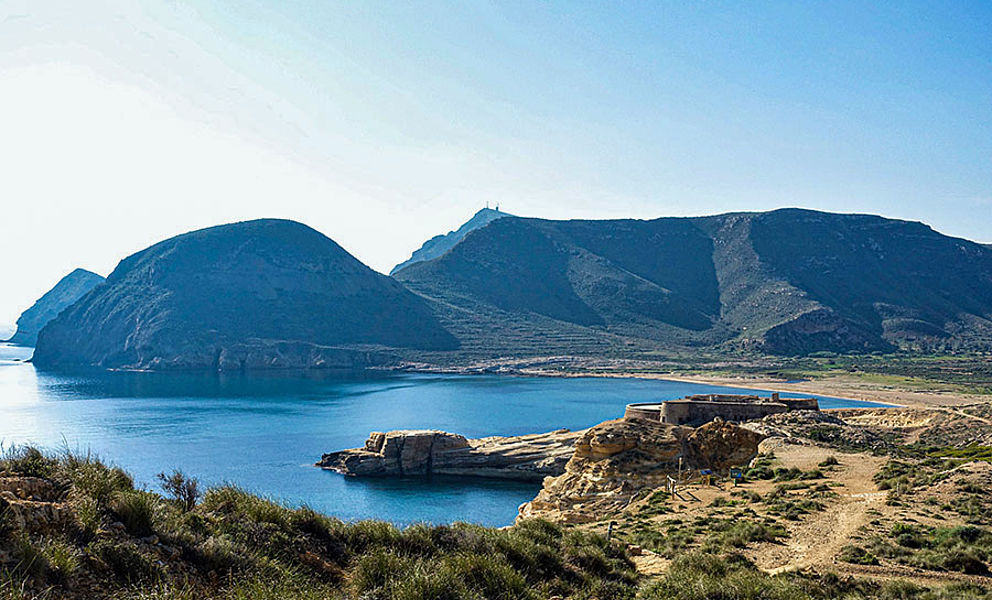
(31, 504)
(808, 426)
(432, 452)
(615, 460)
(66, 292)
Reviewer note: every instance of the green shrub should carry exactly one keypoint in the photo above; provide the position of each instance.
(366, 535)
(62, 559)
(424, 582)
(27, 461)
(30, 557)
(184, 490)
(90, 477)
(968, 561)
(709, 577)
(137, 510)
(221, 555)
(373, 574)
(88, 516)
(235, 501)
(126, 561)
(857, 555)
(487, 576)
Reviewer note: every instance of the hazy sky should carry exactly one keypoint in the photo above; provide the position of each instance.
(384, 123)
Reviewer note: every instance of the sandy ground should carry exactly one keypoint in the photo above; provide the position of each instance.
(815, 541)
(850, 388)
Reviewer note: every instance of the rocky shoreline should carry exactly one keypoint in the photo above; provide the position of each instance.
(584, 474)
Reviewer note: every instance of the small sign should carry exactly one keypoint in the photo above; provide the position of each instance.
(736, 473)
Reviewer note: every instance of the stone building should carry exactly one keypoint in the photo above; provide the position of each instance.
(703, 408)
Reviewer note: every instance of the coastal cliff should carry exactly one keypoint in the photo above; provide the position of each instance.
(431, 452)
(586, 474)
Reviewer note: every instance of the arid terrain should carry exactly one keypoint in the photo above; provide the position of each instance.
(899, 493)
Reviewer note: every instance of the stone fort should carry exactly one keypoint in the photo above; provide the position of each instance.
(701, 409)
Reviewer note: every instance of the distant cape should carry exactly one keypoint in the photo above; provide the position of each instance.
(66, 292)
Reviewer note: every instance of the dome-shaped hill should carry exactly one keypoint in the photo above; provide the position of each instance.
(264, 293)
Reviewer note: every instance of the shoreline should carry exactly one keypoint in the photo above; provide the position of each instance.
(839, 387)
(854, 391)
(747, 383)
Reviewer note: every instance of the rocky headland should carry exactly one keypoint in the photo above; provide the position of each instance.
(264, 294)
(586, 474)
(431, 452)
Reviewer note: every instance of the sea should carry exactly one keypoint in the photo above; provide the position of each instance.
(264, 432)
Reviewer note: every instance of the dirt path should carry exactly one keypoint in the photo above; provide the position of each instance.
(962, 413)
(650, 565)
(819, 536)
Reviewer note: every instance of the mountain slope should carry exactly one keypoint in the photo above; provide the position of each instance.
(70, 288)
(787, 282)
(258, 294)
(439, 244)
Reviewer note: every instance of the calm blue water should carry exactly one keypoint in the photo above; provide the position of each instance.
(264, 432)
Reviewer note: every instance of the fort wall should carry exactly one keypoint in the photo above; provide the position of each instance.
(645, 411)
(700, 409)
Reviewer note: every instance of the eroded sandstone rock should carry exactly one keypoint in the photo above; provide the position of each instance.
(432, 452)
(615, 460)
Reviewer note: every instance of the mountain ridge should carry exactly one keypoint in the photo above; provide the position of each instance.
(790, 281)
(441, 243)
(272, 293)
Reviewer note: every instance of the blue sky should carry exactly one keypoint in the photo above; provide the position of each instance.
(382, 124)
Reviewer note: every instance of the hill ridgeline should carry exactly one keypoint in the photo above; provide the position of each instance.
(277, 294)
(787, 282)
(439, 244)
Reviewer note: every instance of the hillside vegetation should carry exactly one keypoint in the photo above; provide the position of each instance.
(73, 528)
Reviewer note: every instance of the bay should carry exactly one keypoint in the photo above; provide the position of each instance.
(263, 432)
